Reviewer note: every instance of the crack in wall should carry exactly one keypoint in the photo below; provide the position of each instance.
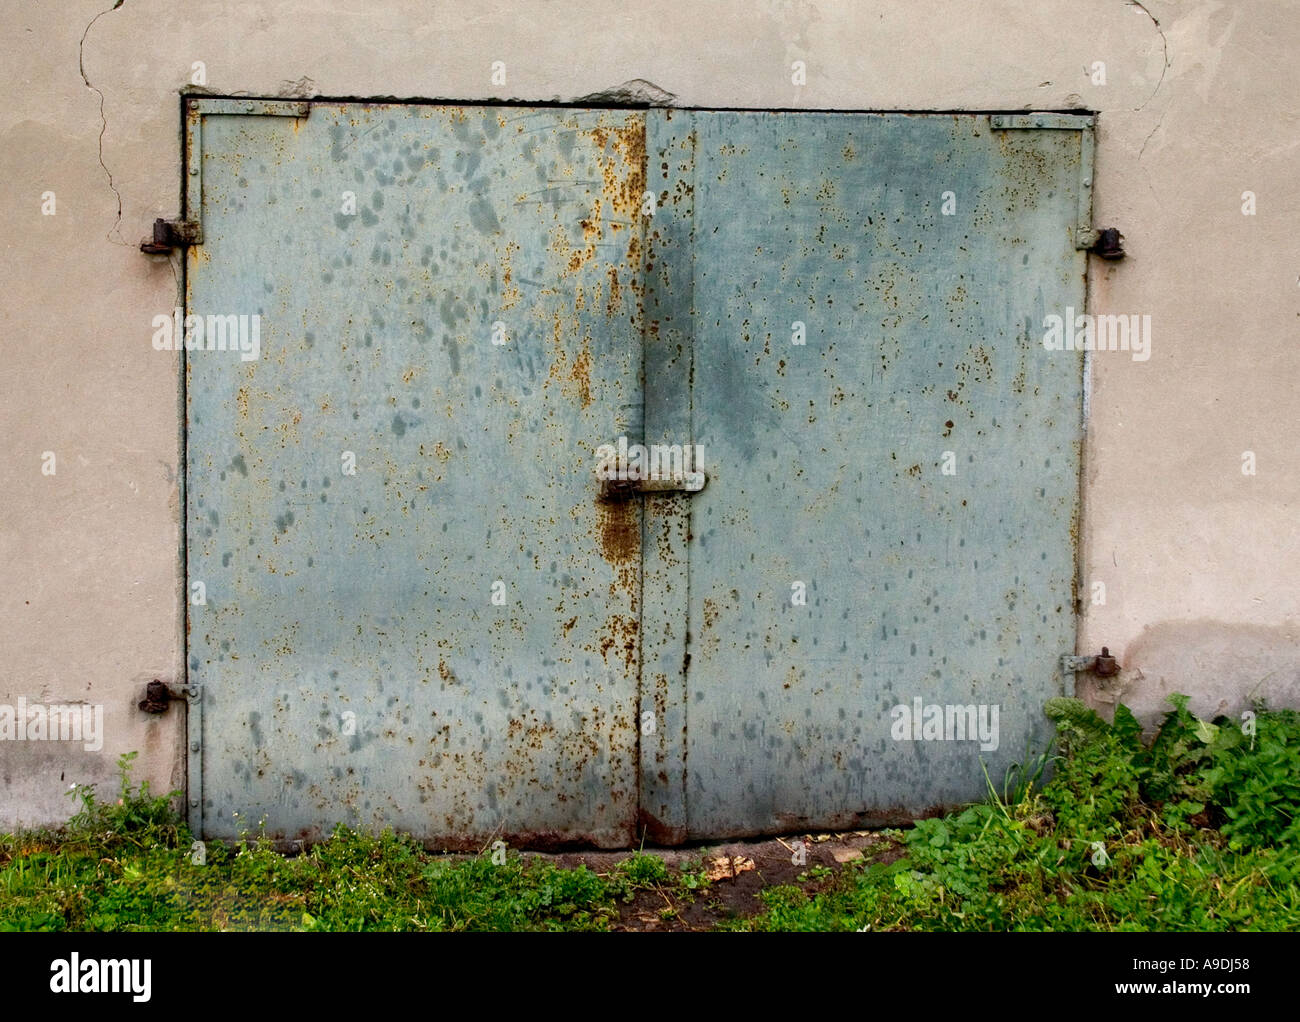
(1164, 42)
(103, 124)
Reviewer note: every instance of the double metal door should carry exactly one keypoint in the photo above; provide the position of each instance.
(412, 601)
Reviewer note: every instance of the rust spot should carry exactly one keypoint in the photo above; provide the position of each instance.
(577, 373)
(657, 832)
(510, 293)
(615, 293)
(581, 373)
(624, 171)
(620, 532)
(621, 639)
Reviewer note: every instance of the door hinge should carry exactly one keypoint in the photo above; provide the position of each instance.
(1109, 243)
(158, 697)
(1103, 664)
(172, 234)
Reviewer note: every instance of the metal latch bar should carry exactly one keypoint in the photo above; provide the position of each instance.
(624, 489)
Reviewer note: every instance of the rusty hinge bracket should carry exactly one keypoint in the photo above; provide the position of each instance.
(1085, 235)
(158, 697)
(1109, 243)
(172, 234)
(1103, 665)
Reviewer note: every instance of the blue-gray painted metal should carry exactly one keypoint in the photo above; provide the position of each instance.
(353, 664)
(652, 663)
(923, 354)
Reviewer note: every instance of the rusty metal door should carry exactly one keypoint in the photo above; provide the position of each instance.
(410, 604)
(415, 611)
(882, 567)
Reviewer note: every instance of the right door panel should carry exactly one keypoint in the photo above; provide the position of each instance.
(889, 525)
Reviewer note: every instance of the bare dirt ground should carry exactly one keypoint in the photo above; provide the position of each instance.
(738, 872)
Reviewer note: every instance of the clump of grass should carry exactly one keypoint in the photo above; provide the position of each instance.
(1194, 831)
(130, 863)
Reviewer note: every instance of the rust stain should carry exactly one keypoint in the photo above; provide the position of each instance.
(575, 377)
(510, 290)
(581, 372)
(615, 294)
(624, 190)
(621, 638)
(620, 532)
(634, 254)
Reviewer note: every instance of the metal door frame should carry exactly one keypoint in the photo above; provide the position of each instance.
(195, 105)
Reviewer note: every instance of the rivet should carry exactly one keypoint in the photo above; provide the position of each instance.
(194, 746)
(194, 802)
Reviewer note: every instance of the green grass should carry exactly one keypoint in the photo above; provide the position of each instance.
(129, 864)
(1196, 830)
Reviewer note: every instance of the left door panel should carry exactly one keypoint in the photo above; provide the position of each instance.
(413, 610)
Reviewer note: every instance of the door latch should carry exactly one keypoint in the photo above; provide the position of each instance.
(626, 489)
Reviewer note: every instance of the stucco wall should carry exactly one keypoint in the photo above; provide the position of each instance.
(1198, 559)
